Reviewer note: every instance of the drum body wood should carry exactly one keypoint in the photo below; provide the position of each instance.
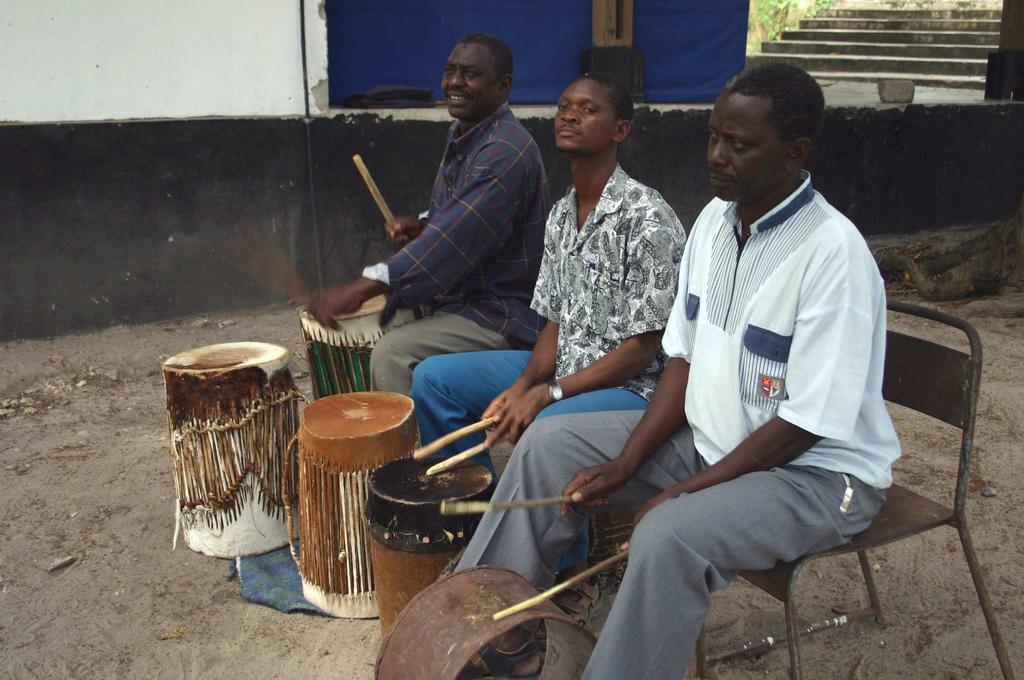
(339, 360)
(342, 439)
(232, 409)
(412, 541)
(445, 625)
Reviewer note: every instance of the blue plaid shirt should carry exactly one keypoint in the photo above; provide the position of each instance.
(480, 252)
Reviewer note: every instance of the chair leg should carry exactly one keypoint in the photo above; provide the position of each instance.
(986, 603)
(702, 655)
(869, 582)
(795, 672)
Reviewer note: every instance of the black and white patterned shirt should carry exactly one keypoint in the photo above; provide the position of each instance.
(611, 280)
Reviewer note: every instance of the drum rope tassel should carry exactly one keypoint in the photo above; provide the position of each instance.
(231, 410)
(341, 440)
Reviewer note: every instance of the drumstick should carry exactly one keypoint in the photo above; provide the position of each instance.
(480, 507)
(444, 441)
(264, 258)
(568, 583)
(456, 459)
(389, 217)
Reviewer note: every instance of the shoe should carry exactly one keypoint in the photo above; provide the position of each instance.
(491, 662)
(579, 600)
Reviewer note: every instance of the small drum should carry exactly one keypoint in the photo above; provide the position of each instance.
(446, 624)
(339, 360)
(412, 541)
(342, 439)
(232, 409)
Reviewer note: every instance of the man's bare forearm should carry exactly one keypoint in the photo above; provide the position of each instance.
(613, 369)
(774, 444)
(542, 360)
(663, 417)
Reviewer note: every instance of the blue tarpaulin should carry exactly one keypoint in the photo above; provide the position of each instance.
(691, 46)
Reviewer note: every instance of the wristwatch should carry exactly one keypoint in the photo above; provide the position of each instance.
(554, 390)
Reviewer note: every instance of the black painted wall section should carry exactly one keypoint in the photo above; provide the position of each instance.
(110, 223)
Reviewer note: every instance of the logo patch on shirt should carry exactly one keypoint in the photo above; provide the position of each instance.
(772, 388)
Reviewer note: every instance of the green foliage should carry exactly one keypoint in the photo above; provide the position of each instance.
(769, 18)
(772, 17)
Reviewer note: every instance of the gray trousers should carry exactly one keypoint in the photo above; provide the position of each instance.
(396, 355)
(682, 551)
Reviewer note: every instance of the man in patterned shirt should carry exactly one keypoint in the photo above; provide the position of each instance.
(473, 260)
(607, 280)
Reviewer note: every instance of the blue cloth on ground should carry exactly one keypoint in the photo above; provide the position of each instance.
(273, 580)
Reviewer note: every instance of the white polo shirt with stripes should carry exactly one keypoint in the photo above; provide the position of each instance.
(791, 324)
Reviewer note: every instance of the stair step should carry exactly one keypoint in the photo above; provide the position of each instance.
(987, 38)
(894, 50)
(891, 14)
(919, 4)
(903, 24)
(856, 64)
(920, 79)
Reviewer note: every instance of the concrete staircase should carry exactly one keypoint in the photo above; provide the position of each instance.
(934, 44)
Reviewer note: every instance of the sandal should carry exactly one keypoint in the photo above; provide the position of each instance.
(579, 600)
(491, 662)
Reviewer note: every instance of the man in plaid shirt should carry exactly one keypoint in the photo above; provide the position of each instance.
(472, 261)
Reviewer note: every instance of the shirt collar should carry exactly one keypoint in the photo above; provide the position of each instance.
(611, 198)
(461, 146)
(781, 212)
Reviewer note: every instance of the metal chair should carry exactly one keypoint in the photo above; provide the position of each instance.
(934, 380)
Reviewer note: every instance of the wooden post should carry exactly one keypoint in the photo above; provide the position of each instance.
(612, 23)
(1004, 77)
(1011, 28)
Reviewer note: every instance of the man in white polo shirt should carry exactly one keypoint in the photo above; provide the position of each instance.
(766, 437)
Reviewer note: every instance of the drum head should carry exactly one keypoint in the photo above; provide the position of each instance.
(403, 509)
(227, 356)
(406, 481)
(356, 414)
(371, 306)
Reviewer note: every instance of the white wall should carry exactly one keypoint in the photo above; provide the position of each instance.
(83, 60)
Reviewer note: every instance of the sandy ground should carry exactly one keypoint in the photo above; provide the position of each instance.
(85, 472)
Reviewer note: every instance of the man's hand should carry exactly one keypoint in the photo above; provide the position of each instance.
(592, 485)
(496, 409)
(403, 230)
(343, 299)
(518, 412)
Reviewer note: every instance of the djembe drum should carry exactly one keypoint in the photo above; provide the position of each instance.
(339, 360)
(342, 439)
(232, 409)
(413, 542)
(441, 629)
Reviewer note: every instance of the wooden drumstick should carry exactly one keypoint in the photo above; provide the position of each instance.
(449, 463)
(444, 441)
(389, 217)
(568, 583)
(480, 507)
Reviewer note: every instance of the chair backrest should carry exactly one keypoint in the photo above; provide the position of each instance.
(936, 380)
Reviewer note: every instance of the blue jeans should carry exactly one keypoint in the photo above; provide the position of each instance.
(453, 390)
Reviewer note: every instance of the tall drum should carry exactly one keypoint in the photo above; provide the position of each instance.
(339, 360)
(342, 439)
(232, 409)
(412, 540)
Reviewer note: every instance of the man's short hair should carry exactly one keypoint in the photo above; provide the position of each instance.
(500, 51)
(621, 99)
(798, 105)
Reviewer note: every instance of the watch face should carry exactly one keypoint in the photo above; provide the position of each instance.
(555, 390)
